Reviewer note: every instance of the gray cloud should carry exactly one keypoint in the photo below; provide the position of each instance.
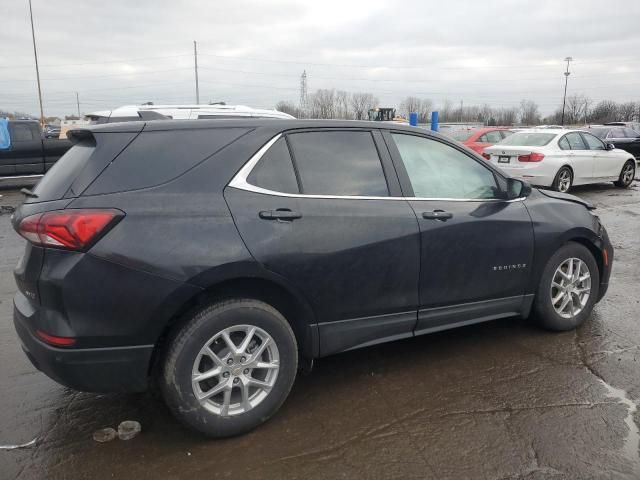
(252, 52)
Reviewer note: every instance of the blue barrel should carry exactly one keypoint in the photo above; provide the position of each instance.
(413, 119)
(434, 121)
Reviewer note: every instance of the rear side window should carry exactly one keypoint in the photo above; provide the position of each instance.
(21, 133)
(157, 157)
(275, 171)
(342, 163)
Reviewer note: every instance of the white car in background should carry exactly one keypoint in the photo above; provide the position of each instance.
(561, 159)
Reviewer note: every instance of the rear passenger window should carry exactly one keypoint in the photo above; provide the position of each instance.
(21, 133)
(274, 171)
(338, 163)
(564, 144)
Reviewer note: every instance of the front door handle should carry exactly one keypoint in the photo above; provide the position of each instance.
(437, 215)
(282, 214)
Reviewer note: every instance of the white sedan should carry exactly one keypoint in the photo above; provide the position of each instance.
(561, 158)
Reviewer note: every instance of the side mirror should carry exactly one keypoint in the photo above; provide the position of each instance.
(610, 146)
(517, 188)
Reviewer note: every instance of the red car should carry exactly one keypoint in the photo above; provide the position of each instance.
(477, 139)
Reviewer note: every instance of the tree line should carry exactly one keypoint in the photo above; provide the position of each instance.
(579, 109)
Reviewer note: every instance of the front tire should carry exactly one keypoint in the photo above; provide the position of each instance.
(627, 174)
(568, 288)
(230, 367)
(563, 181)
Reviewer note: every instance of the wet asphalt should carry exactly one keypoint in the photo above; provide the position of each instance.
(497, 400)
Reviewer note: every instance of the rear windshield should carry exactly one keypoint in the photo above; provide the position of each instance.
(62, 174)
(528, 139)
(461, 135)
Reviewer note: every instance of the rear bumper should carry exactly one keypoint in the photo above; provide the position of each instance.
(113, 369)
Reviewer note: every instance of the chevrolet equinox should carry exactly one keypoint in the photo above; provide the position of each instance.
(216, 257)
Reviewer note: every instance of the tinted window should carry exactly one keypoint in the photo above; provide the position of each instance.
(437, 170)
(21, 133)
(630, 133)
(528, 139)
(599, 132)
(616, 133)
(157, 157)
(462, 135)
(506, 133)
(59, 178)
(593, 142)
(575, 141)
(338, 163)
(564, 144)
(493, 137)
(274, 171)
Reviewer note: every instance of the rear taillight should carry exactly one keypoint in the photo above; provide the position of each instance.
(486, 156)
(531, 157)
(68, 229)
(55, 340)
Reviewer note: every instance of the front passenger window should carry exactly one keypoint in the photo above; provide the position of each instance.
(437, 170)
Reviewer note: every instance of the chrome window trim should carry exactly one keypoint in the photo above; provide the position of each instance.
(240, 182)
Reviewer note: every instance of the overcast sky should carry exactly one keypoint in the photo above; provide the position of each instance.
(252, 52)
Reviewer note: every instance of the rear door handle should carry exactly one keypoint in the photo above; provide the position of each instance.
(437, 215)
(282, 214)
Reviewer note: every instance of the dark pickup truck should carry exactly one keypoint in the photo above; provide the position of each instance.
(27, 152)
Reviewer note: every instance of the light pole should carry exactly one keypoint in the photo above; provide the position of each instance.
(195, 59)
(35, 54)
(566, 79)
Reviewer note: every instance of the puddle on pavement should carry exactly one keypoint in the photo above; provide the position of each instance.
(632, 440)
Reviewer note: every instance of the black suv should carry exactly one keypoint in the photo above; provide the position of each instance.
(217, 257)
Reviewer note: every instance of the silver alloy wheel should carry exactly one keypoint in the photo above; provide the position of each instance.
(564, 180)
(628, 172)
(570, 287)
(235, 370)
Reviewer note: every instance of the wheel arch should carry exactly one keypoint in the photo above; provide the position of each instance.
(295, 309)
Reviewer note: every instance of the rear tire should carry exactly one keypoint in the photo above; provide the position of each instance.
(563, 181)
(627, 174)
(230, 367)
(560, 302)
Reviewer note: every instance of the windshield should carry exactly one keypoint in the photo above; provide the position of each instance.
(599, 132)
(461, 135)
(528, 139)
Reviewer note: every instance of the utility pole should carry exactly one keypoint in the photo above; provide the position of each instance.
(566, 79)
(35, 55)
(78, 104)
(195, 58)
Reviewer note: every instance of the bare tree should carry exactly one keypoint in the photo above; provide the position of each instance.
(627, 111)
(323, 104)
(575, 109)
(446, 114)
(361, 103)
(288, 107)
(604, 111)
(529, 112)
(342, 105)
